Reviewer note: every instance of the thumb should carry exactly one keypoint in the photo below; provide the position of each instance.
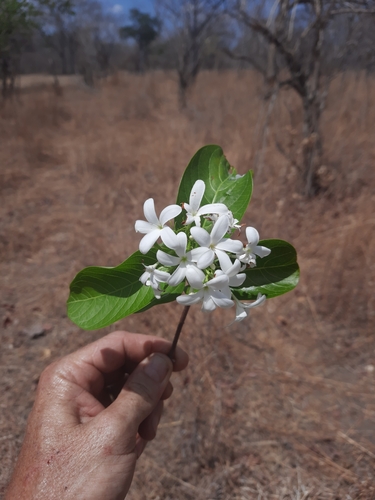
(140, 394)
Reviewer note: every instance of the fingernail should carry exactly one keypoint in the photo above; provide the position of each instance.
(158, 367)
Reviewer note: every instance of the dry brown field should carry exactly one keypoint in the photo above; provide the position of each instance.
(281, 406)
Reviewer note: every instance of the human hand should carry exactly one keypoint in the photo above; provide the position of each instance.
(87, 427)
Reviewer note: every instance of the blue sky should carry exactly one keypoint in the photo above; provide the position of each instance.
(122, 7)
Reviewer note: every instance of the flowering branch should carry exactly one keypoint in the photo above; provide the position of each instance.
(188, 255)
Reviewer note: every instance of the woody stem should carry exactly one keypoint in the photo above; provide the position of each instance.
(172, 351)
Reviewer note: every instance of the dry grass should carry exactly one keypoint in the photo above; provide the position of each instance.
(281, 406)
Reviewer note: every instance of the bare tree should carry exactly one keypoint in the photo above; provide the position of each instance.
(190, 21)
(58, 32)
(17, 21)
(295, 32)
(97, 34)
(80, 35)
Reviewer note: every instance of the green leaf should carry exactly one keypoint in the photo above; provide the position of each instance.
(273, 275)
(99, 296)
(222, 185)
(170, 294)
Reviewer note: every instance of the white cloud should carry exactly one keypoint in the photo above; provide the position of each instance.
(117, 9)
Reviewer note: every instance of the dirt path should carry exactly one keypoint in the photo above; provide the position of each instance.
(281, 406)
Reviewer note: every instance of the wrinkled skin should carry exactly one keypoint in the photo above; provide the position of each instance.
(94, 412)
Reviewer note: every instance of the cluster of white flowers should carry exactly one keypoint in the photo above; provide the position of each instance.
(209, 263)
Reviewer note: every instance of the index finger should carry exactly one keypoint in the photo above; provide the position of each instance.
(89, 365)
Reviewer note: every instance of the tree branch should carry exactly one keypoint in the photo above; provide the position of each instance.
(350, 10)
(248, 59)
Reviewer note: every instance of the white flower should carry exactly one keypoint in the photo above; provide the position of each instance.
(154, 226)
(248, 254)
(152, 277)
(215, 243)
(184, 260)
(193, 209)
(231, 270)
(213, 294)
(233, 223)
(242, 309)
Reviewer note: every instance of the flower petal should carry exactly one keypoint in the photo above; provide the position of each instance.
(224, 259)
(195, 276)
(143, 279)
(166, 259)
(161, 276)
(225, 262)
(260, 300)
(237, 280)
(149, 211)
(219, 230)
(213, 208)
(208, 304)
(197, 220)
(149, 240)
(168, 237)
(169, 212)
(141, 226)
(221, 300)
(218, 282)
(181, 243)
(151, 267)
(194, 254)
(228, 245)
(252, 235)
(196, 195)
(192, 298)
(206, 259)
(234, 269)
(261, 251)
(201, 236)
(178, 276)
(247, 258)
(241, 313)
(189, 220)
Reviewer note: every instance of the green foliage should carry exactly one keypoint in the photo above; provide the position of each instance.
(274, 275)
(59, 6)
(17, 17)
(223, 185)
(144, 28)
(100, 296)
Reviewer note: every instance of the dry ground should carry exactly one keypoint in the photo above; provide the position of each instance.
(279, 407)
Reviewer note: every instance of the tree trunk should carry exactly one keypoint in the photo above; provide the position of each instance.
(271, 64)
(189, 67)
(182, 89)
(4, 77)
(312, 146)
(141, 59)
